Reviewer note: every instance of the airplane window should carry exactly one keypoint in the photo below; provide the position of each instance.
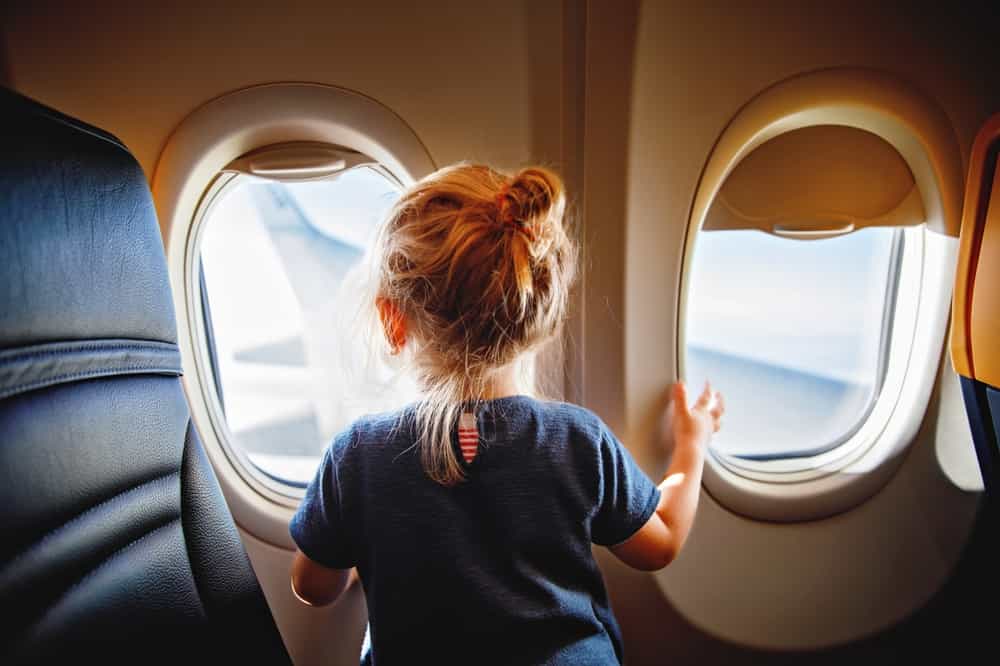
(284, 278)
(794, 332)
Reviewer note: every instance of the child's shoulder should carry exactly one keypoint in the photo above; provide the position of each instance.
(378, 427)
(380, 423)
(577, 418)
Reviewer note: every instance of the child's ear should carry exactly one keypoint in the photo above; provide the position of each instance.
(393, 323)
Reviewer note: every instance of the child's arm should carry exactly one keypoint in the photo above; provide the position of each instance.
(316, 585)
(657, 542)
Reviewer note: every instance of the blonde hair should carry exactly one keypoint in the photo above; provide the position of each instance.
(480, 265)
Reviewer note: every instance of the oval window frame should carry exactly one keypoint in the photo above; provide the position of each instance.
(188, 174)
(290, 493)
(918, 129)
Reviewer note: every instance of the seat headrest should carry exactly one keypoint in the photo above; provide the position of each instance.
(81, 256)
(975, 322)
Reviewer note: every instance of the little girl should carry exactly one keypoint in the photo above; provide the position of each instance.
(470, 515)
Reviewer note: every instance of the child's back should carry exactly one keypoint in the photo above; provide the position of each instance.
(487, 559)
(496, 569)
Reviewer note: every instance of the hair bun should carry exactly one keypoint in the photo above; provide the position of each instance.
(534, 197)
(532, 203)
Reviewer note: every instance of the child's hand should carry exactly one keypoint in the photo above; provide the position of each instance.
(694, 425)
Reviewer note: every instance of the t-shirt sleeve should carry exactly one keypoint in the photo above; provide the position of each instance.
(626, 495)
(318, 528)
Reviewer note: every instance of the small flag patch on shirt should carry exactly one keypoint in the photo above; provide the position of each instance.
(468, 436)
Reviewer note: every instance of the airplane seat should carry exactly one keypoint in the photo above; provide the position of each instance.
(976, 307)
(117, 545)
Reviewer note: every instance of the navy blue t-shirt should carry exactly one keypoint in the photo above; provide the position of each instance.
(497, 569)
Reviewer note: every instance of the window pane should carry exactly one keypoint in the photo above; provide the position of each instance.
(284, 277)
(791, 332)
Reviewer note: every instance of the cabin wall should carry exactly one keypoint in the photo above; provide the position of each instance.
(462, 76)
(626, 99)
(791, 586)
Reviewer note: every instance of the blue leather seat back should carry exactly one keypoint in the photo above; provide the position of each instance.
(115, 541)
(982, 405)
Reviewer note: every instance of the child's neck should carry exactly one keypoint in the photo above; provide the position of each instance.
(505, 382)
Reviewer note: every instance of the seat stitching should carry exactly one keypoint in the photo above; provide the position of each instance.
(54, 347)
(51, 533)
(100, 372)
(107, 560)
(128, 356)
(184, 535)
(97, 568)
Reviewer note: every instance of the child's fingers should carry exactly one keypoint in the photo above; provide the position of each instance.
(719, 408)
(705, 399)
